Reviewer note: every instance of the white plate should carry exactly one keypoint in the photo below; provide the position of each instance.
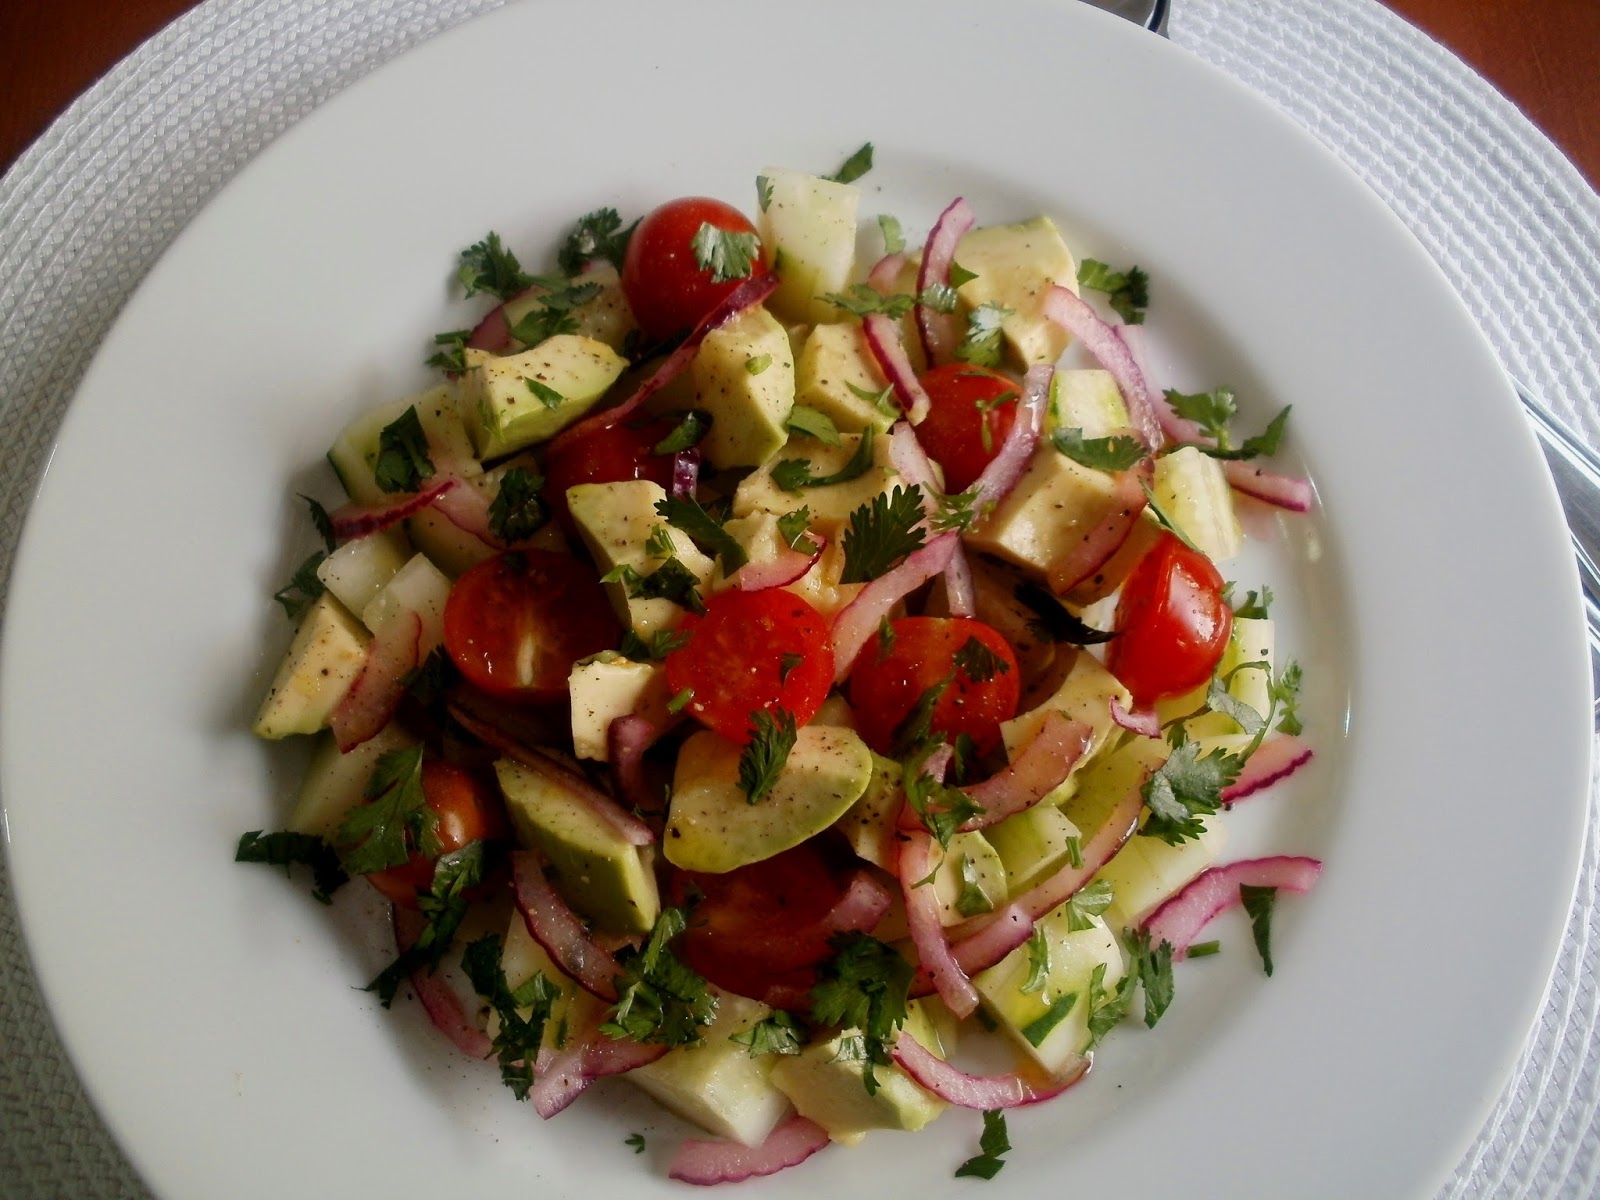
(210, 1007)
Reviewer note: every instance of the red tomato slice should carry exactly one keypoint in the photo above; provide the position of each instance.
(469, 810)
(605, 455)
(758, 650)
(971, 412)
(515, 624)
(1172, 623)
(665, 285)
(886, 684)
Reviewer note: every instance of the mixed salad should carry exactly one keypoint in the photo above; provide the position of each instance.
(756, 674)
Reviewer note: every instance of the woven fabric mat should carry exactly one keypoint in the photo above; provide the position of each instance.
(90, 206)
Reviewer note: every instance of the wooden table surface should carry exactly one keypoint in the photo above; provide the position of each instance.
(1543, 54)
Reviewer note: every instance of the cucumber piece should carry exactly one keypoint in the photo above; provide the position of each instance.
(355, 451)
(358, 570)
(1191, 489)
(335, 782)
(808, 228)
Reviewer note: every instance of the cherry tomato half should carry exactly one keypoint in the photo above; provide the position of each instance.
(750, 651)
(980, 688)
(667, 288)
(971, 412)
(515, 624)
(605, 455)
(1172, 623)
(468, 809)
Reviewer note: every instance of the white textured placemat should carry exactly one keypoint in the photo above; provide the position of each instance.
(86, 211)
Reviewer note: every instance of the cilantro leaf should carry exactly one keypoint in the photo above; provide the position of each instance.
(662, 643)
(794, 527)
(763, 192)
(884, 401)
(487, 266)
(894, 239)
(1117, 452)
(915, 729)
(598, 234)
(859, 300)
(960, 276)
(1185, 788)
(814, 423)
(1256, 606)
(757, 363)
(1285, 692)
(882, 533)
(285, 849)
(395, 820)
(1129, 290)
(660, 544)
(403, 461)
(658, 998)
(1038, 961)
(1258, 902)
(443, 907)
(1153, 965)
(778, 1034)
(854, 167)
(956, 511)
(1087, 903)
(1036, 1030)
(1164, 519)
(995, 1143)
(726, 253)
(1053, 622)
(972, 899)
(1265, 443)
(772, 736)
(636, 1140)
(1108, 1008)
(981, 343)
(518, 1038)
(704, 530)
(942, 809)
(1210, 410)
(321, 522)
(670, 581)
(978, 662)
(793, 474)
(303, 588)
(518, 511)
(545, 394)
(428, 682)
(688, 432)
(863, 986)
(451, 357)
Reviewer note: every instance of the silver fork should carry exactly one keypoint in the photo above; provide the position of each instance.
(1574, 467)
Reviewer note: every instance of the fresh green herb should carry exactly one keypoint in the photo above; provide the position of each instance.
(321, 522)
(429, 680)
(978, 662)
(886, 637)
(1164, 519)
(1074, 849)
(884, 401)
(972, 899)
(942, 809)
(793, 528)
(1041, 1026)
(956, 511)
(1088, 903)
(487, 266)
(1258, 902)
(727, 254)
(1107, 1007)
(403, 461)
(894, 238)
(545, 394)
(787, 663)
(660, 544)
(1220, 699)
(670, 581)
(1204, 949)
(1153, 966)
(793, 474)
(518, 511)
(995, 1143)
(1213, 411)
(451, 357)
(396, 820)
(960, 276)
(303, 588)
(916, 727)
(689, 431)
(1285, 692)
(882, 533)
(854, 167)
(981, 343)
(863, 986)
(285, 849)
(597, 235)
(1038, 962)
(814, 423)
(1115, 453)
(636, 1140)
(1185, 788)
(757, 363)
(1052, 622)
(763, 192)
(859, 300)
(704, 530)
(941, 297)
(553, 314)
(1129, 290)
(1256, 606)
(680, 700)
(661, 643)
(778, 1034)
(518, 1038)
(772, 736)
(985, 434)
(658, 998)
(443, 906)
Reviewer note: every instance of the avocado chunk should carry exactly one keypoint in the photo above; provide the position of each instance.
(1014, 267)
(744, 378)
(808, 227)
(616, 522)
(601, 875)
(969, 878)
(335, 782)
(512, 401)
(869, 823)
(607, 688)
(354, 453)
(831, 503)
(605, 317)
(327, 653)
(834, 369)
(712, 826)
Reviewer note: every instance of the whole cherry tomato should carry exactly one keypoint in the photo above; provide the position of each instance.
(1172, 623)
(666, 285)
(469, 810)
(609, 454)
(971, 412)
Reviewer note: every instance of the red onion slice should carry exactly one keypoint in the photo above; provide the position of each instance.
(1043, 765)
(704, 1162)
(927, 931)
(1016, 452)
(1178, 430)
(627, 739)
(979, 1091)
(633, 830)
(1180, 919)
(564, 1078)
(1104, 342)
(747, 295)
(1279, 756)
(369, 705)
(1094, 550)
(559, 930)
(859, 619)
(685, 473)
(358, 520)
(980, 948)
(1280, 491)
(789, 566)
(885, 272)
(1143, 721)
(883, 339)
(936, 329)
(910, 460)
(439, 1000)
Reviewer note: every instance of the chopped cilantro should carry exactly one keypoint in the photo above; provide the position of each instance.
(886, 637)
(763, 192)
(636, 1140)
(981, 343)
(916, 727)
(882, 533)
(487, 266)
(321, 522)
(859, 300)
(1108, 1007)
(1129, 290)
(1256, 606)
(303, 588)
(942, 809)
(658, 998)
(518, 511)
(1115, 453)
(443, 907)
(994, 1144)
(680, 700)
(1153, 965)
(704, 530)
(814, 423)
(727, 254)
(787, 663)
(884, 401)
(396, 819)
(1038, 962)
(662, 643)
(597, 235)
(660, 544)
(285, 849)
(670, 581)
(1285, 692)
(854, 167)
(1044, 1024)
(1258, 902)
(545, 394)
(1086, 904)
(978, 662)
(778, 1034)
(1265, 443)
(689, 431)
(1074, 849)
(403, 461)
(1185, 788)
(959, 275)
(518, 1038)
(772, 736)
(1204, 949)
(894, 239)
(1052, 622)
(956, 511)
(1164, 519)
(794, 527)
(1210, 410)
(757, 363)
(553, 314)
(972, 899)
(793, 474)
(451, 357)
(863, 987)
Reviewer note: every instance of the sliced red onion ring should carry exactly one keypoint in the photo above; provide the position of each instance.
(1143, 721)
(633, 830)
(927, 931)
(979, 1091)
(1104, 342)
(392, 654)
(1279, 756)
(885, 271)
(559, 930)
(564, 1078)
(1180, 919)
(1280, 491)
(627, 738)
(1045, 762)
(1179, 430)
(1095, 549)
(747, 295)
(704, 1162)
(685, 473)
(883, 339)
(982, 947)
(468, 510)
(439, 1000)
(1016, 452)
(358, 520)
(859, 619)
(936, 329)
(789, 566)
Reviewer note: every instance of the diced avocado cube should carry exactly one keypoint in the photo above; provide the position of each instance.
(354, 452)
(763, 542)
(326, 655)
(1088, 399)
(616, 522)
(1014, 266)
(1084, 695)
(808, 227)
(336, 782)
(743, 377)
(1034, 844)
(600, 874)
(572, 1012)
(455, 550)
(357, 571)
(717, 1083)
(830, 504)
(1052, 1023)
(605, 318)
(833, 369)
(1190, 487)
(603, 690)
(420, 587)
(869, 824)
(515, 400)
(712, 825)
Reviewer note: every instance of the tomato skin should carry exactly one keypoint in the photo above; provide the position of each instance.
(667, 289)
(611, 454)
(953, 432)
(885, 687)
(1172, 623)
(516, 623)
(734, 659)
(468, 811)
